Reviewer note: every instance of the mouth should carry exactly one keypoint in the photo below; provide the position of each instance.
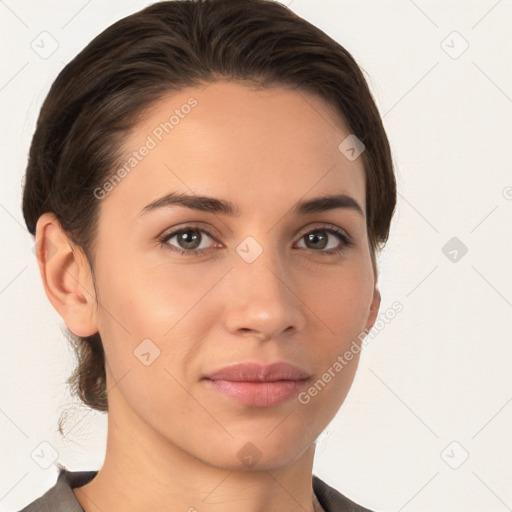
(257, 385)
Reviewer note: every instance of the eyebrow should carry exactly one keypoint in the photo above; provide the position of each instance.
(222, 206)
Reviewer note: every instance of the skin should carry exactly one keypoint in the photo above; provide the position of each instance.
(171, 439)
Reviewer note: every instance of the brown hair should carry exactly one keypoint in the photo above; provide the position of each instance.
(96, 99)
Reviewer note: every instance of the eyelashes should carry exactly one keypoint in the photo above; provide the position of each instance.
(197, 232)
(187, 229)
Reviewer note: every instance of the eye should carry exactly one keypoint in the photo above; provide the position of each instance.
(192, 240)
(189, 240)
(319, 240)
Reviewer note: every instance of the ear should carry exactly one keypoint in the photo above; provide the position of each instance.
(374, 308)
(66, 276)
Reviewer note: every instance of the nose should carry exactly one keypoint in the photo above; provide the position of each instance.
(261, 299)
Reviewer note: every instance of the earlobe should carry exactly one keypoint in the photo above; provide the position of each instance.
(374, 308)
(66, 276)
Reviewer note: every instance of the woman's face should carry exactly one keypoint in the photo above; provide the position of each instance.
(262, 284)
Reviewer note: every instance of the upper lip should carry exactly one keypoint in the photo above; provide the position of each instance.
(255, 372)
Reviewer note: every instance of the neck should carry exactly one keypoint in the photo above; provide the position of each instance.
(144, 471)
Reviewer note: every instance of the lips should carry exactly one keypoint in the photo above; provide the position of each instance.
(254, 372)
(258, 385)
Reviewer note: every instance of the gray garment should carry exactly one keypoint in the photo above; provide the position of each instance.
(60, 498)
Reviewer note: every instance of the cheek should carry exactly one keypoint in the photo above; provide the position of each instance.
(144, 327)
(340, 299)
(341, 308)
(149, 299)
(163, 303)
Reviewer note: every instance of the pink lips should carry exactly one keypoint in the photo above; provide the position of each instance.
(259, 385)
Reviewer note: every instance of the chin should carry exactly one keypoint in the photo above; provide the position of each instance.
(257, 453)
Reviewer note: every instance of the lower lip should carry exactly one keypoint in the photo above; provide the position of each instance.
(259, 394)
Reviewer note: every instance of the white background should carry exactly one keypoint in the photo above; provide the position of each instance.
(437, 373)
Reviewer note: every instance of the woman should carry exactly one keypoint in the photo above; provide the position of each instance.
(209, 185)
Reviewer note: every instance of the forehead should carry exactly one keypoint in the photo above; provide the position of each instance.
(231, 140)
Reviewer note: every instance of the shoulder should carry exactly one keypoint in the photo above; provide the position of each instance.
(332, 500)
(60, 498)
